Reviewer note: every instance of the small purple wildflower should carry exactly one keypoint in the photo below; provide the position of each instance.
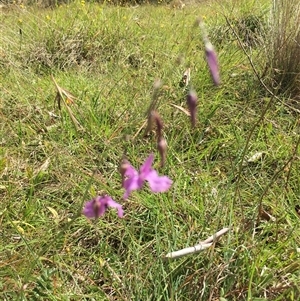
(192, 105)
(135, 180)
(212, 61)
(98, 205)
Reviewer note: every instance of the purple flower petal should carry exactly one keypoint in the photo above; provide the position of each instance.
(111, 203)
(131, 171)
(130, 184)
(147, 166)
(88, 209)
(158, 183)
(131, 180)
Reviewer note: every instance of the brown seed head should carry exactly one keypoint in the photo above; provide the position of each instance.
(162, 149)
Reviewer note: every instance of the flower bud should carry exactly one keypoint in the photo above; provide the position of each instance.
(123, 167)
(158, 122)
(192, 105)
(162, 149)
(212, 62)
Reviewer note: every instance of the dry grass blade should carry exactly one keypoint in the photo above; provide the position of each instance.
(264, 215)
(43, 167)
(186, 112)
(140, 129)
(64, 96)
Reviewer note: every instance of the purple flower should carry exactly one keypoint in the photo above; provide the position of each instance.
(135, 180)
(192, 105)
(212, 61)
(98, 205)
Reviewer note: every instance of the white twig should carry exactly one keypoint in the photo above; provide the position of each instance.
(189, 250)
(215, 236)
(203, 245)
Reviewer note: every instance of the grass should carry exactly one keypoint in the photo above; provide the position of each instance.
(108, 58)
(284, 61)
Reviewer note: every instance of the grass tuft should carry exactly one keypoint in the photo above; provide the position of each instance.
(283, 47)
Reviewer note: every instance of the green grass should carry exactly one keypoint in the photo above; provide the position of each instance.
(283, 64)
(109, 57)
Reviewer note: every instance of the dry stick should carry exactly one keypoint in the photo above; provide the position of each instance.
(189, 250)
(216, 236)
(256, 72)
(203, 245)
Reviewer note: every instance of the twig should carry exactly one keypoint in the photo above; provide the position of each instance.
(189, 250)
(216, 236)
(203, 245)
